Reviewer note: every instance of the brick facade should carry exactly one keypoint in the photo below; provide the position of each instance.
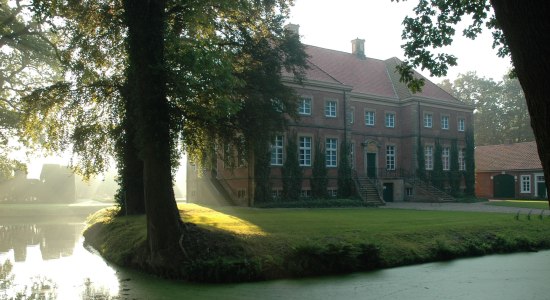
(363, 88)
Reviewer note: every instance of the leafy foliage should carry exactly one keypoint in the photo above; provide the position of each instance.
(345, 179)
(319, 181)
(500, 113)
(431, 31)
(291, 171)
(469, 157)
(454, 174)
(438, 176)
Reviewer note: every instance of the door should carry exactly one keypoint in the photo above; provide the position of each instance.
(371, 165)
(388, 192)
(541, 186)
(504, 186)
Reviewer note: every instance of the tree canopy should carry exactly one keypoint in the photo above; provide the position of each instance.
(500, 110)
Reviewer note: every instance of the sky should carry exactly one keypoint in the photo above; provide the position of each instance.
(333, 24)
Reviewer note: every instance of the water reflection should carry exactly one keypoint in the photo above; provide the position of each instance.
(49, 261)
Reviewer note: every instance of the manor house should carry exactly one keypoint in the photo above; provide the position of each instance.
(348, 96)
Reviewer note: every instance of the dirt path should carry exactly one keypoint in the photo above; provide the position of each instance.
(480, 206)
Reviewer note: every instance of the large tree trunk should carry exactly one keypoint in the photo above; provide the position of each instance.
(146, 21)
(526, 27)
(131, 170)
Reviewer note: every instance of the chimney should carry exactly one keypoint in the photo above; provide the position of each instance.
(358, 48)
(294, 28)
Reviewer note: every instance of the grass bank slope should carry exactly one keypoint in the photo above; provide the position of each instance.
(242, 244)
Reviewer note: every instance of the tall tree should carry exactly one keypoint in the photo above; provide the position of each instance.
(146, 72)
(500, 113)
(292, 172)
(454, 174)
(27, 61)
(438, 176)
(469, 157)
(520, 29)
(318, 180)
(345, 178)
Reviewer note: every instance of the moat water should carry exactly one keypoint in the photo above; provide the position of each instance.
(46, 259)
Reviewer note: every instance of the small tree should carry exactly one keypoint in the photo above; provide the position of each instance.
(262, 170)
(454, 174)
(319, 179)
(345, 179)
(469, 157)
(438, 177)
(421, 168)
(292, 172)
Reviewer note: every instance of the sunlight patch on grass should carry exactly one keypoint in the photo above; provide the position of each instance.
(207, 217)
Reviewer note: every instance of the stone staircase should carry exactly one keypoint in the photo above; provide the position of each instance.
(425, 192)
(368, 192)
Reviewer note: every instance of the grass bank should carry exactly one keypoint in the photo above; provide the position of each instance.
(534, 204)
(240, 244)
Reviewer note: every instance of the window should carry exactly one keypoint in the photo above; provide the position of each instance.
(305, 193)
(409, 191)
(525, 183)
(241, 194)
(461, 124)
(277, 151)
(276, 193)
(304, 153)
(445, 154)
(332, 192)
(330, 108)
(444, 122)
(304, 106)
(461, 160)
(390, 157)
(331, 148)
(428, 120)
(390, 120)
(369, 118)
(351, 116)
(429, 157)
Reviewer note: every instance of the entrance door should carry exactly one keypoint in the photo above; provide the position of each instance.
(388, 192)
(371, 165)
(541, 186)
(504, 186)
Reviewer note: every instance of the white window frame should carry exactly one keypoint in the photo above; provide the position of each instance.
(461, 124)
(429, 157)
(277, 150)
(331, 108)
(445, 122)
(370, 117)
(525, 184)
(390, 120)
(304, 151)
(428, 120)
(304, 106)
(351, 115)
(331, 152)
(446, 158)
(352, 155)
(390, 158)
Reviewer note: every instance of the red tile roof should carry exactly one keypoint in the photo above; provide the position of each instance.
(367, 76)
(518, 156)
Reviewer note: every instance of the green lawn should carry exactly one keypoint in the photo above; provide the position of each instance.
(521, 203)
(252, 244)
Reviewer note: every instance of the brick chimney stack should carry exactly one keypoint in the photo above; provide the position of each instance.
(294, 28)
(358, 48)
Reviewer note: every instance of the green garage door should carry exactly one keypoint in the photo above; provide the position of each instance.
(504, 186)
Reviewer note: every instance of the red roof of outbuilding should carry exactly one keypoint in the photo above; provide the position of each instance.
(518, 156)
